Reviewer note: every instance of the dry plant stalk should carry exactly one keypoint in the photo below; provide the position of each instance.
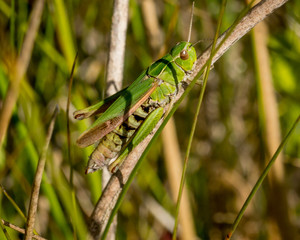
(152, 24)
(272, 133)
(270, 108)
(114, 187)
(21, 68)
(115, 67)
(116, 56)
(173, 163)
(37, 181)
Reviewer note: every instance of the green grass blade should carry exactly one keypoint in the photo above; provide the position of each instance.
(68, 120)
(65, 32)
(13, 203)
(261, 179)
(52, 53)
(195, 120)
(15, 206)
(73, 212)
(4, 8)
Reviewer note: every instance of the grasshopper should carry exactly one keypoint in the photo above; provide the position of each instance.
(128, 116)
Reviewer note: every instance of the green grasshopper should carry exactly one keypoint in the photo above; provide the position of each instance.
(128, 116)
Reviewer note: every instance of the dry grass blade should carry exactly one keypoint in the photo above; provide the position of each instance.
(114, 187)
(170, 141)
(114, 81)
(20, 230)
(37, 181)
(174, 169)
(21, 68)
(271, 126)
(151, 22)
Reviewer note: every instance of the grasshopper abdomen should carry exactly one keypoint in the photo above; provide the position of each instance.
(111, 145)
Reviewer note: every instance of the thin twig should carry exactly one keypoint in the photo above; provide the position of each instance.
(114, 79)
(69, 143)
(20, 230)
(68, 119)
(114, 187)
(5, 231)
(21, 68)
(37, 181)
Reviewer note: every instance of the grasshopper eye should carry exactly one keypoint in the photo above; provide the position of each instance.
(184, 55)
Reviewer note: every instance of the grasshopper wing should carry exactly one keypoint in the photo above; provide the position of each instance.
(103, 105)
(119, 110)
(97, 108)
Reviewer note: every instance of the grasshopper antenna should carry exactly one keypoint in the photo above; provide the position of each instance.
(201, 40)
(191, 22)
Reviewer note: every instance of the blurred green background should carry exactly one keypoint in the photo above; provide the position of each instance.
(229, 148)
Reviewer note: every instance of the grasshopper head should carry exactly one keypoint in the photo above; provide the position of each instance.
(185, 55)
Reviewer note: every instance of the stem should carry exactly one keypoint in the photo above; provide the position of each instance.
(69, 143)
(196, 118)
(114, 82)
(261, 179)
(37, 181)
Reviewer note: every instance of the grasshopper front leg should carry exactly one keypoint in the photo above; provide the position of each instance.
(144, 130)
